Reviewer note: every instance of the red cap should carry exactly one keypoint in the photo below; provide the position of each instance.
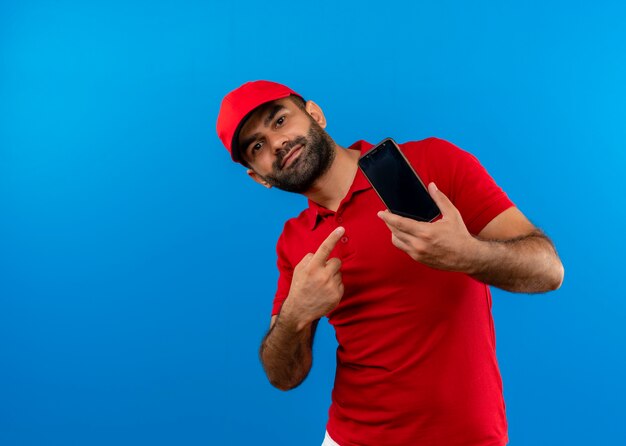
(238, 105)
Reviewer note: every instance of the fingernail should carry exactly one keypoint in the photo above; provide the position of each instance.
(434, 185)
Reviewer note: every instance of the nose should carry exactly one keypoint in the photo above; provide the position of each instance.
(278, 142)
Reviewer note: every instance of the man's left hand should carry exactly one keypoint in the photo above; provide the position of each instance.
(444, 244)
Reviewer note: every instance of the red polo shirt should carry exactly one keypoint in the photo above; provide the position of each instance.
(416, 361)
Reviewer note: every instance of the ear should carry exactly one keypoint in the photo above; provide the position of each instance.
(316, 113)
(256, 177)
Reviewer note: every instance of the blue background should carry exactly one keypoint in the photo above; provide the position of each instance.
(137, 263)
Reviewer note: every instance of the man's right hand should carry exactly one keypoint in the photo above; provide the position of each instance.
(316, 286)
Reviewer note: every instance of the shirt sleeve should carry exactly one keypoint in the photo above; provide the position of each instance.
(460, 176)
(285, 274)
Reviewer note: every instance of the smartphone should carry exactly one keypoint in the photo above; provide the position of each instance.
(396, 183)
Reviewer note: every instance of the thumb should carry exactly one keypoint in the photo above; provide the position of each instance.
(445, 205)
(306, 260)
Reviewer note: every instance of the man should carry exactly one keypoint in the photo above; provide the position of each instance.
(408, 300)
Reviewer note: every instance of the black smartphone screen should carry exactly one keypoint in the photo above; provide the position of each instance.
(396, 182)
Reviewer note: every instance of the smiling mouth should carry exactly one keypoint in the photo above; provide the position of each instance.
(290, 156)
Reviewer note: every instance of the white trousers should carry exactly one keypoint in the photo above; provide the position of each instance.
(329, 441)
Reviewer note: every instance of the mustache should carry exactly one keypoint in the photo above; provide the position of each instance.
(299, 141)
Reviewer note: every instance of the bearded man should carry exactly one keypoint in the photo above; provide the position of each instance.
(409, 301)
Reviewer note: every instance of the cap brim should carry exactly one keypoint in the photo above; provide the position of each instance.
(235, 153)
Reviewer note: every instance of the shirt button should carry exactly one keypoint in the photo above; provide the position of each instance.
(339, 220)
(344, 239)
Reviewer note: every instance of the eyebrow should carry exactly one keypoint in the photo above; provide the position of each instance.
(275, 109)
(266, 122)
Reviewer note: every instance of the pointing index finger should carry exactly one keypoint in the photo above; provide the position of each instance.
(322, 253)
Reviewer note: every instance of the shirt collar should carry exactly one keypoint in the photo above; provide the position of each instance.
(360, 183)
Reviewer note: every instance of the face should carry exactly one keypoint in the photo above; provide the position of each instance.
(285, 146)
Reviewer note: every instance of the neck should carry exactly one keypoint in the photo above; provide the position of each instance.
(333, 186)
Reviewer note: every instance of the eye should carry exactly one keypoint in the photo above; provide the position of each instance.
(258, 146)
(280, 121)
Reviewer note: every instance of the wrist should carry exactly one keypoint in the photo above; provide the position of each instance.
(291, 318)
(477, 252)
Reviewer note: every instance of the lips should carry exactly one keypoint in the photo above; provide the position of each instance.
(291, 156)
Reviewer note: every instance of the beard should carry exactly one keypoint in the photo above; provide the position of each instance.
(316, 156)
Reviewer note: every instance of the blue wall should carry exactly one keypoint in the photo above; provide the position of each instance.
(124, 228)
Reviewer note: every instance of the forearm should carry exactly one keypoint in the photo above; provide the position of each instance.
(526, 264)
(286, 353)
